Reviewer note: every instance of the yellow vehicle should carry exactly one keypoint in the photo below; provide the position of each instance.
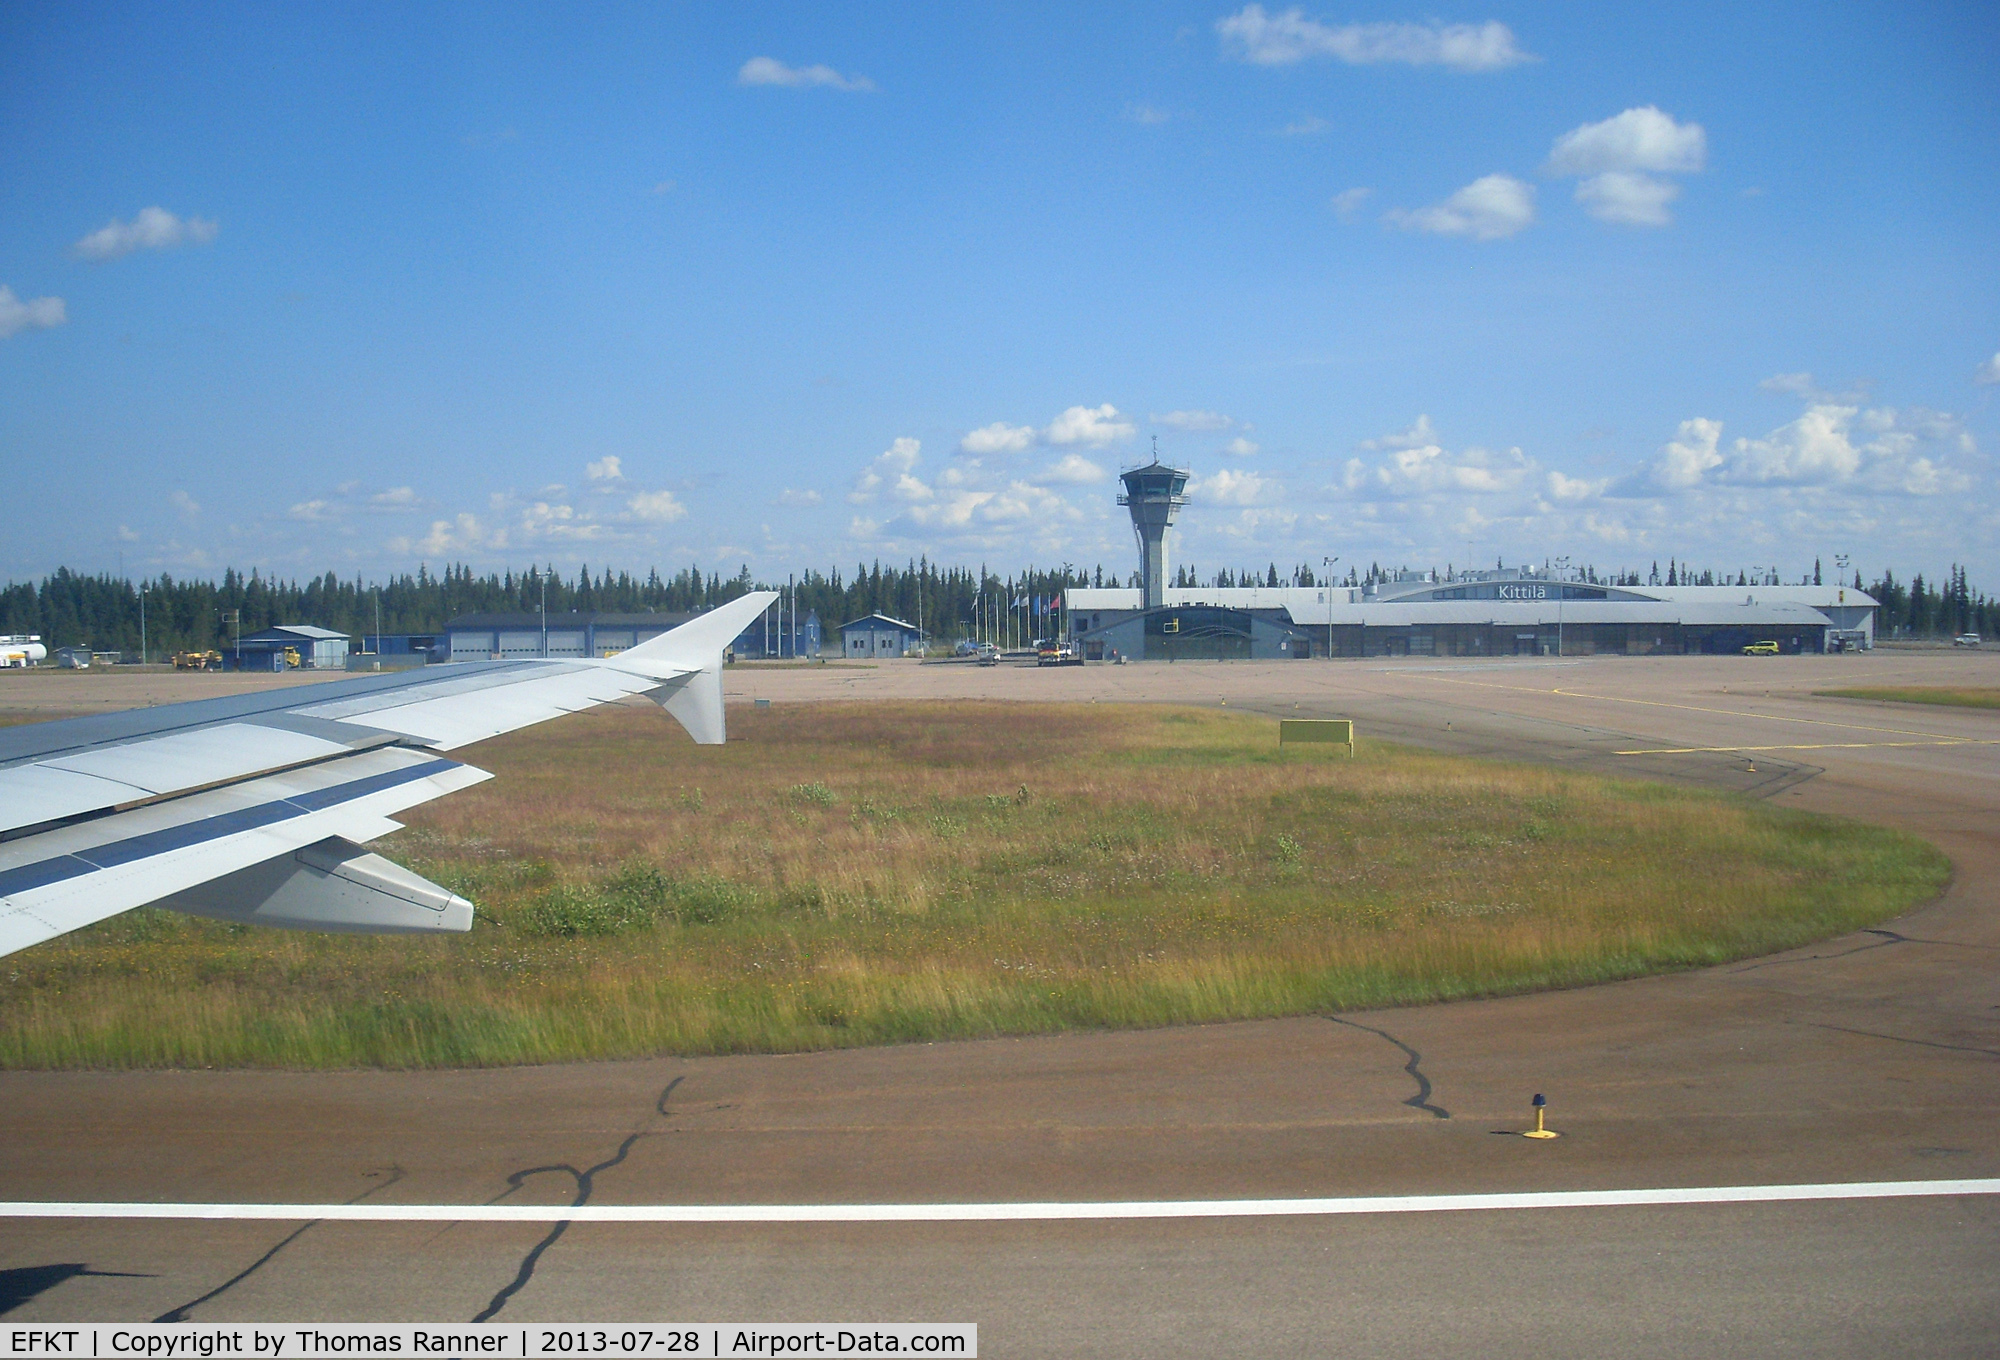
(1761, 649)
(292, 658)
(197, 661)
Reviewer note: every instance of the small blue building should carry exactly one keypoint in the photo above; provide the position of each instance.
(318, 649)
(879, 635)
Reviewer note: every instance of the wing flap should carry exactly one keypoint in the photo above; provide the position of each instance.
(72, 876)
(333, 885)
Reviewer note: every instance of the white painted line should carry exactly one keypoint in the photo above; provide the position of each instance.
(1004, 1212)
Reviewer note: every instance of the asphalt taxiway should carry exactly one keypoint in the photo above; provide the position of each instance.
(1874, 1057)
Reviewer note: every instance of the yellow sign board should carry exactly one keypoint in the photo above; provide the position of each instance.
(1337, 731)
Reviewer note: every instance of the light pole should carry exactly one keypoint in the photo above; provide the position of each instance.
(1562, 566)
(142, 625)
(1328, 562)
(542, 577)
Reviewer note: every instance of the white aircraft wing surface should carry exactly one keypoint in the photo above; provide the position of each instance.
(254, 807)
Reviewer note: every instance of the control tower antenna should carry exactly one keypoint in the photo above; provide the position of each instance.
(1154, 494)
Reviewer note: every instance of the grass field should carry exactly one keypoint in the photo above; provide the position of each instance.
(1921, 694)
(849, 874)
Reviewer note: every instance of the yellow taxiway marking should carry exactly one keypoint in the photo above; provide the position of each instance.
(1815, 746)
(1933, 738)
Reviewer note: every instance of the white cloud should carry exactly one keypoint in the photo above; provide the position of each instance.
(1490, 208)
(965, 504)
(665, 186)
(1642, 139)
(1309, 126)
(1798, 384)
(1093, 425)
(1239, 447)
(1814, 448)
(187, 506)
(609, 468)
(1684, 460)
(1348, 202)
(1988, 374)
(769, 71)
(1628, 198)
(1194, 421)
(999, 437)
(1415, 437)
(1428, 469)
(1231, 486)
(798, 498)
(37, 314)
(562, 522)
(891, 467)
(1075, 468)
(1146, 115)
(447, 536)
(656, 507)
(153, 229)
(395, 498)
(1573, 488)
(313, 511)
(1807, 389)
(1288, 37)
(1829, 446)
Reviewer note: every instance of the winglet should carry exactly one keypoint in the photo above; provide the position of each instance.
(688, 660)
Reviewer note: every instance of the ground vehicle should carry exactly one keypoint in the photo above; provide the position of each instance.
(987, 654)
(1966, 640)
(1761, 649)
(197, 661)
(1055, 652)
(22, 649)
(291, 656)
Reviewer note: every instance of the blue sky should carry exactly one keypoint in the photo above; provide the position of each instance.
(353, 288)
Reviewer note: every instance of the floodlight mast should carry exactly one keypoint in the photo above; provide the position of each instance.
(1154, 495)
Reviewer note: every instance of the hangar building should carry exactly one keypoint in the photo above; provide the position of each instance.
(1518, 611)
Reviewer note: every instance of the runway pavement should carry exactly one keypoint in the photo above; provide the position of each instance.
(1874, 1057)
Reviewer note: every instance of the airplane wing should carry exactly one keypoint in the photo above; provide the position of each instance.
(254, 807)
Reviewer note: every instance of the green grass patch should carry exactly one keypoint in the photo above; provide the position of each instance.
(848, 874)
(1949, 696)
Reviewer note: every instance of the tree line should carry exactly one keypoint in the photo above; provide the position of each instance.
(68, 608)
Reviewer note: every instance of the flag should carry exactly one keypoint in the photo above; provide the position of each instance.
(1055, 604)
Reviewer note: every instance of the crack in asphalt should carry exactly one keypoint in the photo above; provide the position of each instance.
(1899, 1039)
(1889, 937)
(180, 1314)
(1422, 1099)
(585, 1183)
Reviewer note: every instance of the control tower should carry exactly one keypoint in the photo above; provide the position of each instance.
(1154, 494)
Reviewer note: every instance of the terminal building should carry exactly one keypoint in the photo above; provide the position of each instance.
(1519, 611)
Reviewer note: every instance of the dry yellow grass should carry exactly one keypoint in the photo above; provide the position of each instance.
(850, 874)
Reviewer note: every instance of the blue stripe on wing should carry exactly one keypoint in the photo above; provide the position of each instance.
(60, 867)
